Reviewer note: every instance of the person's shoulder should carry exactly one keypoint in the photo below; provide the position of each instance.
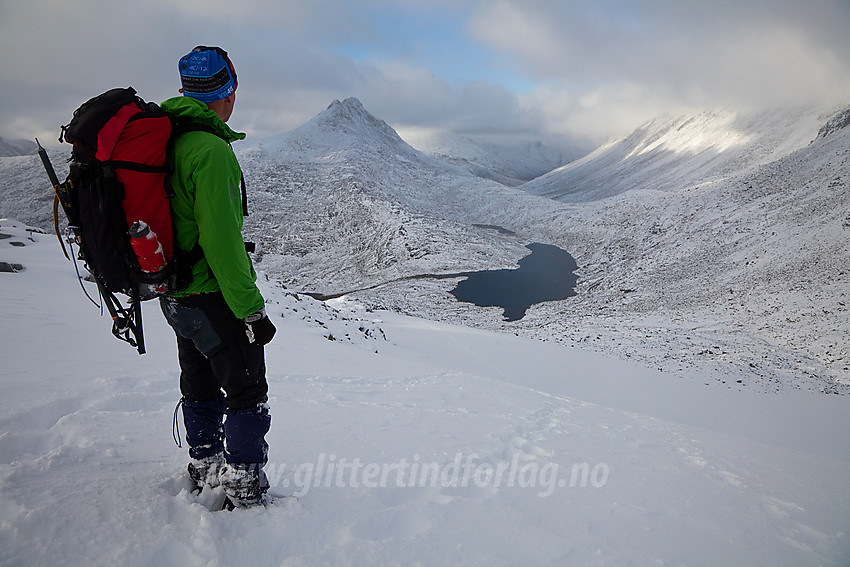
(202, 146)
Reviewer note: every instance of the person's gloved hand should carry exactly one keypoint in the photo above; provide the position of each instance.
(260, 329)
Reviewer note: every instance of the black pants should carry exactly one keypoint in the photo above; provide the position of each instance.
(217, 361)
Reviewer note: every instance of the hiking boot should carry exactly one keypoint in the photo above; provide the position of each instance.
(205, 472)
(243, 487)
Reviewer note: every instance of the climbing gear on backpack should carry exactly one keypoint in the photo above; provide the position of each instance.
(116, 199)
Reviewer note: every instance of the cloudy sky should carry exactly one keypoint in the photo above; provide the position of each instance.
(586, 69)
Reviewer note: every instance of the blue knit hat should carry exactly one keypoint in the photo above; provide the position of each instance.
(207, 74)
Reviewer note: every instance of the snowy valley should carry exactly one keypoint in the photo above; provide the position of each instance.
(722, 258)
(725, 258)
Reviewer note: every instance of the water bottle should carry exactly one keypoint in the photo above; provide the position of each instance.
(147, 247)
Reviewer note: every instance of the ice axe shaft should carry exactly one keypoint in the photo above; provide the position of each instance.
(51, 174)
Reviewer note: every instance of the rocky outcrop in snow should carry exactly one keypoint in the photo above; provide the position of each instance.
(840, 120)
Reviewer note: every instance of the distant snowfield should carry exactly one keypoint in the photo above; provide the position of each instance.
(673, 153)
(407, 441)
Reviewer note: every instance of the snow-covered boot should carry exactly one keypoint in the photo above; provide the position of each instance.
(205, 472)
(244, 487)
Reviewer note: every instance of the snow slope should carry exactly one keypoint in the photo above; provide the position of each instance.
(26, 192)
(535, 454)
(675, 152)
(741, 273)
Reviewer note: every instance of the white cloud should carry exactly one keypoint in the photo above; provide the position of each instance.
(601, 66)
(617, 62)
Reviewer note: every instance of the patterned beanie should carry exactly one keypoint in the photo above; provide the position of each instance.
(207, 74)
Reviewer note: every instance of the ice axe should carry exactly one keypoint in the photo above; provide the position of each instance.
(57, 187)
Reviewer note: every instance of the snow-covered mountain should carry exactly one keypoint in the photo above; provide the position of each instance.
(671, 153)
(16, 147)
(341, 202)
(344, 203)
(510, 160)
(732, 265)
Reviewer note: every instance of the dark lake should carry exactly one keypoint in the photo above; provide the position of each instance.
(544, 275)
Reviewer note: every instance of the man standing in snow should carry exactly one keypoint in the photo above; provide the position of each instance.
(219, 319)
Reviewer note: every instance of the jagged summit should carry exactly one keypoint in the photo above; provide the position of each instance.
(350, 116)
(342, 124)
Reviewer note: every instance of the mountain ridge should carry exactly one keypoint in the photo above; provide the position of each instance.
(668, 153)
(10, 148)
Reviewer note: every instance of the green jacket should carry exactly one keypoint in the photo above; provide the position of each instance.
(207, 209)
